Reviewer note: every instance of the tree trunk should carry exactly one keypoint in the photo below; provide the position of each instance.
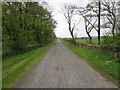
(88, 33)
(113, 29)
(72, 34)
(113, 32)
(99, 23)
(98, 37)
(90, 42)
(71, 30)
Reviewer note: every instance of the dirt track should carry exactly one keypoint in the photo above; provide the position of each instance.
(60, 68)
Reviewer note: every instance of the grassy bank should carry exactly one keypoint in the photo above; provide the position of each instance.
(101, 61)
(16, 66)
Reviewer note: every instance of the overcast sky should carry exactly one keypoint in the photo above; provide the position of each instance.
(62, 25)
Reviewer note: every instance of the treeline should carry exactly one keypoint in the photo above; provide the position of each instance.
(25, 24)
(98, 16)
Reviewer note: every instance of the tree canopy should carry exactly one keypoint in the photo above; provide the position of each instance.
(25, 24)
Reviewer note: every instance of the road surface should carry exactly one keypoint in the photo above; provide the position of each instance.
(60, 68)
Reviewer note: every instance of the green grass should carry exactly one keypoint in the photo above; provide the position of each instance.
(98, 59)
(16, 66)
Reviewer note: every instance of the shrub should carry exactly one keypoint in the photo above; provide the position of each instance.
(111, 43)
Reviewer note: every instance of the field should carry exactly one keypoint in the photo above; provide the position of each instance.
(98, 59)
(86, 41)
(16, 66)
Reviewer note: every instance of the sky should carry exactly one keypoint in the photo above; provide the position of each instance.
(62, 30)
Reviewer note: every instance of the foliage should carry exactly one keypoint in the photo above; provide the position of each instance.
(111, 43)
(25, 24)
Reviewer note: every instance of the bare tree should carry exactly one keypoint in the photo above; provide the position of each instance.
(89, 21)
(111, 10)
(69, 12)
(118, 18)
(96, 8)
(89, 27)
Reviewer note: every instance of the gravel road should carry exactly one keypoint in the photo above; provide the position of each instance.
(60, 68)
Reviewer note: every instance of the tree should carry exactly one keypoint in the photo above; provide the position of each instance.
(69, 12)
(12, 25)
(89, 27)
(89, 20)
(96, 8)
(111, 10)
(25, 23)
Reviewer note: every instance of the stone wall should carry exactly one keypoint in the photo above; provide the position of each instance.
(98, 47)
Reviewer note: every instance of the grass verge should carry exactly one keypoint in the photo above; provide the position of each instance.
(100, 61)
(16, 66)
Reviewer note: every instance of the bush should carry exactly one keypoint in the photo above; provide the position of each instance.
(111, 43)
